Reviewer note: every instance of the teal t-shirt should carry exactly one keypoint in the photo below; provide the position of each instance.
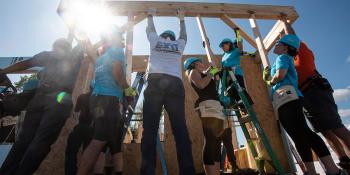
(232, 59)
(105, 83)
(291, 78)
(30, 85)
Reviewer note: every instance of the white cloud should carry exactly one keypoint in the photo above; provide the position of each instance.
(344, 112)
(348, 59)
(341, 94)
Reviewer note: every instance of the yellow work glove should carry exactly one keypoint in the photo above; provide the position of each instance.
(269, 83)
(214, 71)
(267, 74)
(129, 92)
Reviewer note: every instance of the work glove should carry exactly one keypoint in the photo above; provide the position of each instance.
(269, 83)
(129, 92)
(181, 14)
(214, 71)
(151, 11)
(267, 73)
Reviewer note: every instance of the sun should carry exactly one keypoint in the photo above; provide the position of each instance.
(91, 18)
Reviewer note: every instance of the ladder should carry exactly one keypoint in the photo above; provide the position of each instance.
(138, 84)
(252, 119)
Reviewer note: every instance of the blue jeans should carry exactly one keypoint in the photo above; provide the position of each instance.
(168, 91)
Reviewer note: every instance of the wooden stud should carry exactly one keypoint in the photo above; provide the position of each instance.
(204, 36)
(273, 35)
(258, 39)
(129, 47)
(205, 9)
(226, 19)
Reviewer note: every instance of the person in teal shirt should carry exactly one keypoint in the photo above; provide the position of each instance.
(110, 87)
(231, 61)
(287, 101)
(291, 78)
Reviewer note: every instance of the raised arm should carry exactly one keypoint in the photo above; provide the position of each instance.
(150, 23)
(239, 40)
(36, 60)
(181, 16)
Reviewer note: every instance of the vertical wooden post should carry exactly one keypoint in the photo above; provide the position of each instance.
(210, 54)
(129, 47)
(259, 41)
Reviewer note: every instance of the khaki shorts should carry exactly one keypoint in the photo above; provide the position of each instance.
(212, 116)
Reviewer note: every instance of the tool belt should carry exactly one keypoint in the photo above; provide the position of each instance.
(283, 95)
(8, 121)
(316, 80)
(213, 118)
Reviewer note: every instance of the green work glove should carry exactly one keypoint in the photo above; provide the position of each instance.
(267, 74)
(269, 83)
(214, 71)
(129, 92)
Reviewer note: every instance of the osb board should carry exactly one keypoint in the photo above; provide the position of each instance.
(263, 107)
(242, 158)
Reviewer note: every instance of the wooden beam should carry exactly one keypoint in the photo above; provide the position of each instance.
(129, 47)
(140, 62)
(258, 39)
(204, 36)
(139, 18)
(273, 35)
(226, 19)
(122, 8)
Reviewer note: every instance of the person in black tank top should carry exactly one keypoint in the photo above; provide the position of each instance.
(214, 123)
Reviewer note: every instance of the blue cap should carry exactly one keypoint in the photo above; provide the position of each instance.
(290, 40)
(169, 32)
(226, 40)
(189, 61)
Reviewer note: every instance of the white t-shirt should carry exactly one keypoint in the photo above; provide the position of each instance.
(165, 56)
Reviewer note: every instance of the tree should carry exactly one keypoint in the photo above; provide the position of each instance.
(24, 79)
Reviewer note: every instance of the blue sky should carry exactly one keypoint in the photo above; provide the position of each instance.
(29, 27)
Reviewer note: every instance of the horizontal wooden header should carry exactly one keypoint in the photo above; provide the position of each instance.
(192, 9)
(139, 62)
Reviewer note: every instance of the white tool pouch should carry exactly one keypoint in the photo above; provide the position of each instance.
(211, 108)
(283, 95)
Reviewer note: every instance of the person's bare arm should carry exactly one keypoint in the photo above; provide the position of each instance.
(280, 74)
(37, 60)
(20, 66)
(199, 81)
(150, 23)
(181, 16)
(119, 75)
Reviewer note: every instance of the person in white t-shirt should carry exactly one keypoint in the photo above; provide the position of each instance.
(165, 89)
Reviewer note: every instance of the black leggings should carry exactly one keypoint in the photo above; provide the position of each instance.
(212, 148)
(293, 121)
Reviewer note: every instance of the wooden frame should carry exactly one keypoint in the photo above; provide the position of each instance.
(136, 12)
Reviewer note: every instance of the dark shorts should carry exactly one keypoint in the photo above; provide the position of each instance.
(320, 104)
(107, 121)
